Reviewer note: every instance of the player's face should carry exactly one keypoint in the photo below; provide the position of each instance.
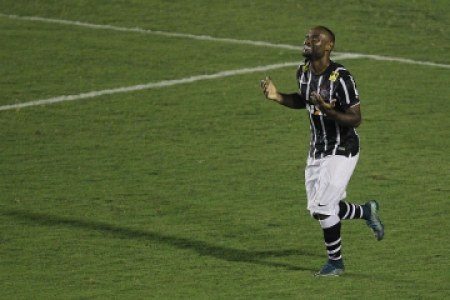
(315, 45)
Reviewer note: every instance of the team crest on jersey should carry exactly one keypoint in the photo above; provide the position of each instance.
(306, 67)
(325, 92)
(334, 75)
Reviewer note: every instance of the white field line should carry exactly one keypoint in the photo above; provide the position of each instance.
(153, 32)
(340, 55)
(156, 84)
(401, 60)
(210, 38)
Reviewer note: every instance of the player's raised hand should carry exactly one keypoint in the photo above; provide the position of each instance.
(321, 104)
(269, 89)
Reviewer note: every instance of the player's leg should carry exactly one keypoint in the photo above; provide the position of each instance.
(367, 212)
(326, 181)
(331, 227)
(349, 211)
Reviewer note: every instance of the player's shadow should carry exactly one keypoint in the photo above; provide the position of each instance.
(202, 248)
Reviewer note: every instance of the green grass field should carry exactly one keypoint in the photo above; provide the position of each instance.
(193, 189)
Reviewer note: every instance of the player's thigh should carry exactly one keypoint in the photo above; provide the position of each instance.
(336, 170)
(326, 183)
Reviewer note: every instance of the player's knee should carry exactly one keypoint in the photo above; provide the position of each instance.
(319, 216)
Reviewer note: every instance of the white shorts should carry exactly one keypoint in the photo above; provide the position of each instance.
(326, 181)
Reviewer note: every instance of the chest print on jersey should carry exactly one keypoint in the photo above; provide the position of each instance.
(325, 92)
(313, 110)
(317, 112)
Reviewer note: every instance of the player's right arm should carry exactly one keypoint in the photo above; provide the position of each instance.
(290, 100)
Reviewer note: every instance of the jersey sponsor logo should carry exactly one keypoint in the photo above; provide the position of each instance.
(313, 110)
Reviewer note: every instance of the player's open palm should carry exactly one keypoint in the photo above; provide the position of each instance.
(269, 89)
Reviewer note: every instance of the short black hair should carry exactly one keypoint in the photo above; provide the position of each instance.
(333, 37)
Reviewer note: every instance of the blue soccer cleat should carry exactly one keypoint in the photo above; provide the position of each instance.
(335, 269)
(374, 221)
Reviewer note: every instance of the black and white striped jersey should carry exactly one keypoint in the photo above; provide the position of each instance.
(327, 136)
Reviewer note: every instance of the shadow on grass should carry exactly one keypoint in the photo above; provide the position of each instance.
(202, 248)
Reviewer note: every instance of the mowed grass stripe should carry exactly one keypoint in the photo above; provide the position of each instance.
(210, 38)
(91, 94)
(160, 84)
(195, 191)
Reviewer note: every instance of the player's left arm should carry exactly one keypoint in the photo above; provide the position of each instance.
(351, 116)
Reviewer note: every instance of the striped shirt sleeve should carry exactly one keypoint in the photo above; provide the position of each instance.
(347, 93)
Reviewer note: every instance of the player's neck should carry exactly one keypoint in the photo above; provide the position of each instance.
(319, 66)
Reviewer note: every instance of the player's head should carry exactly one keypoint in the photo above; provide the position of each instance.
(319, 42)
(330, 33)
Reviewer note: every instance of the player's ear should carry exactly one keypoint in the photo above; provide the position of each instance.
(330, 46)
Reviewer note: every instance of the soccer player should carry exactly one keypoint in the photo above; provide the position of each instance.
(328, 92)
